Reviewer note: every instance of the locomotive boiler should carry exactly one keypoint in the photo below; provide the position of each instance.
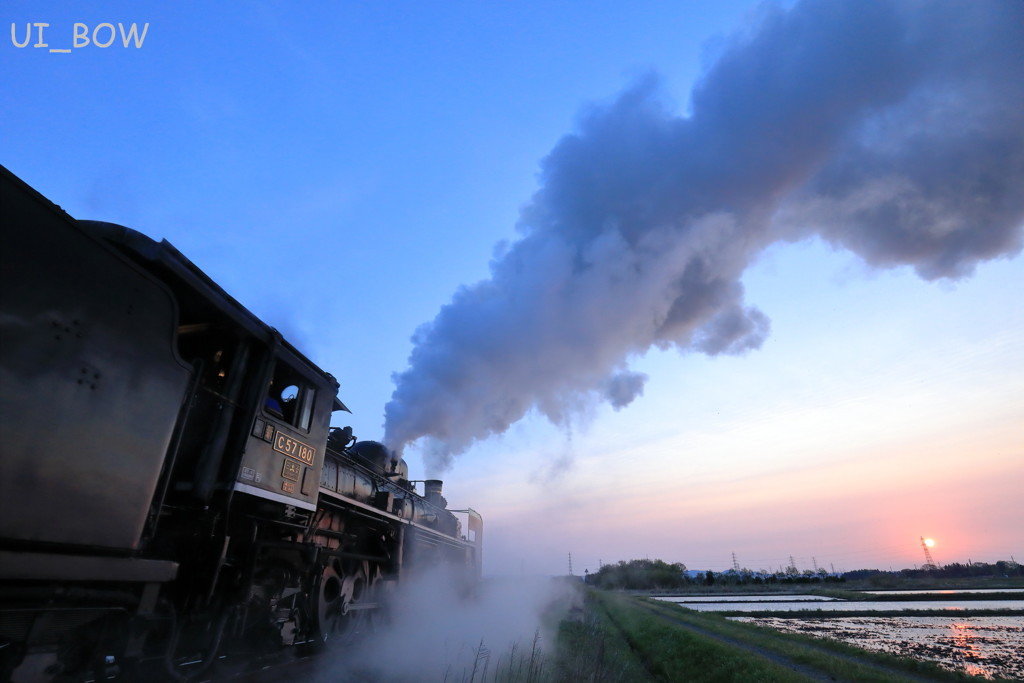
(172, 493)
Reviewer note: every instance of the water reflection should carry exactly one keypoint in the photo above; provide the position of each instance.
(785, 597)
(745, 605)
(953, 591)
(964, 643)
(981, 646)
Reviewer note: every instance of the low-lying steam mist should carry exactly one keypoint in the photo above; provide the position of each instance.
(435, 634)
(894, 129)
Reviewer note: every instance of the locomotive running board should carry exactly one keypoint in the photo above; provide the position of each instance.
(53, 567)
(276, 497)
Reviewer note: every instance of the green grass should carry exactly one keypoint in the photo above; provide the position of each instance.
(590, 648)
(670, 653)
(843, 661)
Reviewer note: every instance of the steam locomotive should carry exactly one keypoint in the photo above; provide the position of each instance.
(171, 491)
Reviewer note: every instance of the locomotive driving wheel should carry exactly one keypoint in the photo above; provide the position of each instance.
(344, 600)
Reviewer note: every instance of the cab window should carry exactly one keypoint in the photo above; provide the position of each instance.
(290, 397)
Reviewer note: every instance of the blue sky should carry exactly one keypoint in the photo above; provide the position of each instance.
(349, 165)
(344, 168)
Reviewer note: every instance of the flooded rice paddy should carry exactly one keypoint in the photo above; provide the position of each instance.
(955, 591)
(981, 646)
(988, 646)
(748, 598)
(757, 604)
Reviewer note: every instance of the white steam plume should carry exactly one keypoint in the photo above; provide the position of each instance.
(893, 128)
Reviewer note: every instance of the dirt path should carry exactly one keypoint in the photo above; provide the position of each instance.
(781, 660)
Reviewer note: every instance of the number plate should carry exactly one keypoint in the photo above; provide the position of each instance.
(294, 448)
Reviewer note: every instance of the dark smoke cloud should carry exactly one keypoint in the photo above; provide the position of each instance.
(893, 129)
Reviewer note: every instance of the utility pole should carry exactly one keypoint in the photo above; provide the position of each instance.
(570, 564)
(735, 564)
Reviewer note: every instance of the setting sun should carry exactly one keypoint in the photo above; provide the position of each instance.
(930, 542)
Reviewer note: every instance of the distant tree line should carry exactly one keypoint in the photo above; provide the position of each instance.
(956, 570)
(656, 574)
(640, 575)
(790, 575)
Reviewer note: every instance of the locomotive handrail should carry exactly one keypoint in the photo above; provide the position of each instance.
(221, 396)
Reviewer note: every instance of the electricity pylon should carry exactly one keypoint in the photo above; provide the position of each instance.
(929, 563)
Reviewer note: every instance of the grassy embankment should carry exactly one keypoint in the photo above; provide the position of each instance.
(612, 637)
(625, 639)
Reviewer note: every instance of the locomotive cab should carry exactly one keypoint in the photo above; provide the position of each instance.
(285, 450)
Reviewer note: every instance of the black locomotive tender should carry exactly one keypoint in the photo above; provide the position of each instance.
(171, 491)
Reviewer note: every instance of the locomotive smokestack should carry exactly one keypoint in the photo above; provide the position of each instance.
(432, 492)
(889, 128)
